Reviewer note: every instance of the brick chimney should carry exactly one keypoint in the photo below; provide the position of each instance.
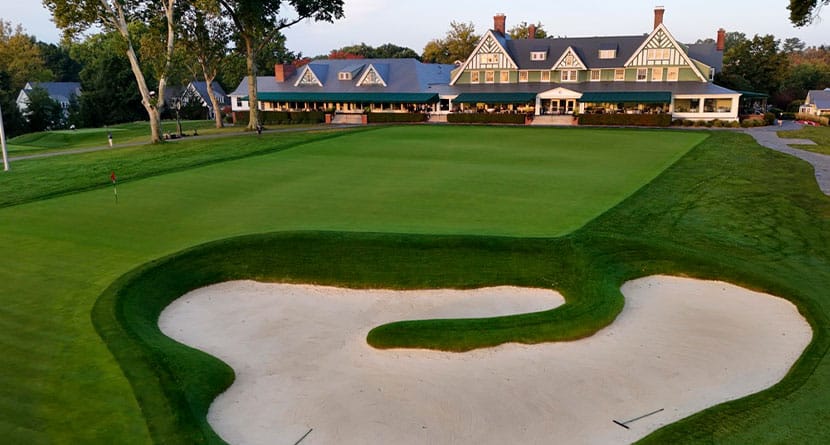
(500, 23)
(284, 71)
(658, 16)
(721, 39)
(531, 31)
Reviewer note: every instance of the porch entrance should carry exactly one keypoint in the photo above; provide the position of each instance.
(558, 106)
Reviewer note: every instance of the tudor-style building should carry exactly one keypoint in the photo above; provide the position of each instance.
(650, 73)
(632, 74)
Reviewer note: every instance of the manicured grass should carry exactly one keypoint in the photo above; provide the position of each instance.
(819, 135)
(728, 209)
(138, 132)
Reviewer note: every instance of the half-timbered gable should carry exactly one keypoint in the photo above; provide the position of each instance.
(308, 76)
(569, 61)
(490, 55)
(660, 49)
(375, 75)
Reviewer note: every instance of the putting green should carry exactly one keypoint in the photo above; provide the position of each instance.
(60, 381)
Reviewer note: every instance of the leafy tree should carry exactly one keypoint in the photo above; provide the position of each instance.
(733, 39)
(364, 51)
(792, 45)
(42, 112)
(706, 40)
(20, 57)
(110, 94)
(13, 121)
(259, 22)
(205, 37)
(804, 12)
(76, 16)
(59, 61)
(754, 65)
(391, 51)
(522, 31)
(459, 42)
(802, 78)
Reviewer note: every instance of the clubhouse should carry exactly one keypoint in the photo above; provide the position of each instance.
(642, 74)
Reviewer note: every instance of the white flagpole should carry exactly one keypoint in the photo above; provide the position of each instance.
(3, 142)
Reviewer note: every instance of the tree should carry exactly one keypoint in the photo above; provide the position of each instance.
(13, 121)
(205, 37)
(107, 82)
(259, 22)
(804, 12)
(754, 65)
(42, 112)
(364, 51)
(793, 45)
(392, 51)
(20, 57)
(76, 16)
(522, 31)
(59, 61)
(457, 45)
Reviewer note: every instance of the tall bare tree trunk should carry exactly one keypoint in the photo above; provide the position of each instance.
(217, 111)
(253, 121)
(146, 98)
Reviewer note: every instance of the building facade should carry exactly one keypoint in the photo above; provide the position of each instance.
(642, 74)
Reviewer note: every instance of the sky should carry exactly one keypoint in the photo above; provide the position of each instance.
(414, 23)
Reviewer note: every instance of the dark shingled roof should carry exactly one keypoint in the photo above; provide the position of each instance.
(59, 91)
(821, 98)
(706, 53)
(587, 48)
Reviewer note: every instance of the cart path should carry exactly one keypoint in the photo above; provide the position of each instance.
(768, 137)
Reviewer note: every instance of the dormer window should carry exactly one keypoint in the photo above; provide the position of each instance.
(344, 76)
(488, 58)
(538, 55)
(608, 54)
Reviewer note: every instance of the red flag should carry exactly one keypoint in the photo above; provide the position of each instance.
(112, 177)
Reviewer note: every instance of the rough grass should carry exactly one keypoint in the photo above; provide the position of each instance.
(728, 209)
(819, 135)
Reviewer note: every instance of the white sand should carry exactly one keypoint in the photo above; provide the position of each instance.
(302, 363)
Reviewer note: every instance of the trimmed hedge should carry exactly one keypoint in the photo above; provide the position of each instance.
(484, 118)
(383, 118)
(284, 117)
(637, 120)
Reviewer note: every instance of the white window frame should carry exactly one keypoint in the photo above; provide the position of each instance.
(607, 54)
(658, 54)
(569, 75)
(642, 74)
(598, 75)
(344, 75)
(504, 77)
(538, 56)
(617, 77)
(524, 76)
(657, 74)
(489, 76)
(488, 59)
(475, 77)
(545, 76)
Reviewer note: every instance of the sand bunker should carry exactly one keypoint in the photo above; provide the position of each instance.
(302, 363)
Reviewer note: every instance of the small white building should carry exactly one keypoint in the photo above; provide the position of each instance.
(817, 103)
(60, 92)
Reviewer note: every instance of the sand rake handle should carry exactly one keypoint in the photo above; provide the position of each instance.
(625, 424)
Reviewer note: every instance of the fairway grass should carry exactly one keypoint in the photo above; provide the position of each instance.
(577, 210)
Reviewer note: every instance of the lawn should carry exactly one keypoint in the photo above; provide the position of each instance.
(138, 132)
(405, 207)
(819, 135)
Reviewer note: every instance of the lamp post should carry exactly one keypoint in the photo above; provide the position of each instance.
(3, 143)
(178, 120)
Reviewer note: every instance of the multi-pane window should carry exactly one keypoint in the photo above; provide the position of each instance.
(607, 54)
(545, 76)
(489, 77)
(569, 75)
(475, 77)
(619, 74)
(658, 53)
(523, 76)
(344, 76)
(642, 74)
(504, 77)
(538, 55)
(657, 74)
(596, 75)
(488, 58)
(671, 74)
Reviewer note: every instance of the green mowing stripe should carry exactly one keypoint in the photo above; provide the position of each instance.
(725, 209)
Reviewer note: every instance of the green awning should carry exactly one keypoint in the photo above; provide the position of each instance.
(367, 98)
(641, 97)
(495, 98)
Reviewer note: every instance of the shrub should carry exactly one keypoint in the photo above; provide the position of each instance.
(284, 117)
(383, 118)
(813, 118)
(700, 123)
(688, 122)
(717, 123)
(483, 118)
(788, 116)
(769, 118)
(734, 124)
(638, 120)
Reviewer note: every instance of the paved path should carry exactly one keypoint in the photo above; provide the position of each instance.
(767, 137)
